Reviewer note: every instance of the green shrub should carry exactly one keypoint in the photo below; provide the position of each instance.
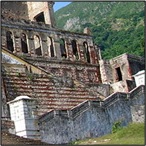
(116, 126)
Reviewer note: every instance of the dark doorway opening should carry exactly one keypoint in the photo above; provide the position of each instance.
(86, 52)
(24, 43)
(62, 48)
(38, 51)
(52, 48)
(74, 47)
(40, 17)
(119, 74)
(9, 39)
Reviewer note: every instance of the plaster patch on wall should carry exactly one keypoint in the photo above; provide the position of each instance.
(8, 59)
(138, 113)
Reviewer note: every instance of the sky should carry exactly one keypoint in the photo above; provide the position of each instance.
(59, 5)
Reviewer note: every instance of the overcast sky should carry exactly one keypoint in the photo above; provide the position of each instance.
(59, 5)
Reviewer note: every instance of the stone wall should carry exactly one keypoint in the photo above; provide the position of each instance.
(119, 71)
(8, 125)
(50, 92)
(138, 114)
(83, 72)
(46, 8)
(9, 10)
(92, 119)
(29, 10)
(77, 67)
(48, 39)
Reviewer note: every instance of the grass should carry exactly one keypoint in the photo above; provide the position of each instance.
(132, 134)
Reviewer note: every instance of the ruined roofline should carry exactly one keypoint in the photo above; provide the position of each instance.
(129, 56)
(138, 58)
(29, 10)
(81, 108)
(38, 25)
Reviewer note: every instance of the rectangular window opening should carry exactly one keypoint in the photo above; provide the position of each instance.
(119, 74)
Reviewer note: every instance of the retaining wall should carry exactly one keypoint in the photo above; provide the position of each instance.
(92, 118)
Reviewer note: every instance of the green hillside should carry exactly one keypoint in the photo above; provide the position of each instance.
(117, 27)
(132, 134)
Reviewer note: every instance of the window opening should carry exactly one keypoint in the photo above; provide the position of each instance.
(40, 17)
(9, 39)
(51, 47)
(86, 52)
(38, 50)
(24, 43)
(74, 47)
(62, 48)
(119, 74)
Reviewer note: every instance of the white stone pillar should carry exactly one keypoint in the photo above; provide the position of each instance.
(23, 113)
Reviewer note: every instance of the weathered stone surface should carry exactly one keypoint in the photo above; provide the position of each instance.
(92, 119)
(63, 73)
(138, 114)
(50, 92)
(29, 11)
(119, 71)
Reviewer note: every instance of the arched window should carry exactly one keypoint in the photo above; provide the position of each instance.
(37, 44)
(9, 39)
(24, 43)
(50, 47)
(86, 52)
(62, 48)
(74, 48)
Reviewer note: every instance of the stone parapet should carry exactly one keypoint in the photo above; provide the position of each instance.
(92, 118)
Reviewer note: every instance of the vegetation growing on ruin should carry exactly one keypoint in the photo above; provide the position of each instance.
(132, 134)
(117, 27)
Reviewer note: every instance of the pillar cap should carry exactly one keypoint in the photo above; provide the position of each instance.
(19, 98)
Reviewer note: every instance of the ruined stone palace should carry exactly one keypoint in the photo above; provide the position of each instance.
(55, 85)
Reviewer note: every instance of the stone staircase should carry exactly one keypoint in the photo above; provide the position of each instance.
(49, 92)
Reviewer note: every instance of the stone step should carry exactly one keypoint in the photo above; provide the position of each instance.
(49, 95)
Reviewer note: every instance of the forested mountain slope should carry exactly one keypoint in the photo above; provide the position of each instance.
(118, 27)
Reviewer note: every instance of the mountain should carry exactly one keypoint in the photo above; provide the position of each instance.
(117, 27)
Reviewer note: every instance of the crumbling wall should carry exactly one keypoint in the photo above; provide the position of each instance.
(137, 63)
(29, 11)
(50, 91)
(8, 126)
(44, 33)
(14, 10)
(92, 119)
(5, 110)
(82, 72)
(119, 71)
(106, 71)
(77, 68)
(45, 9)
